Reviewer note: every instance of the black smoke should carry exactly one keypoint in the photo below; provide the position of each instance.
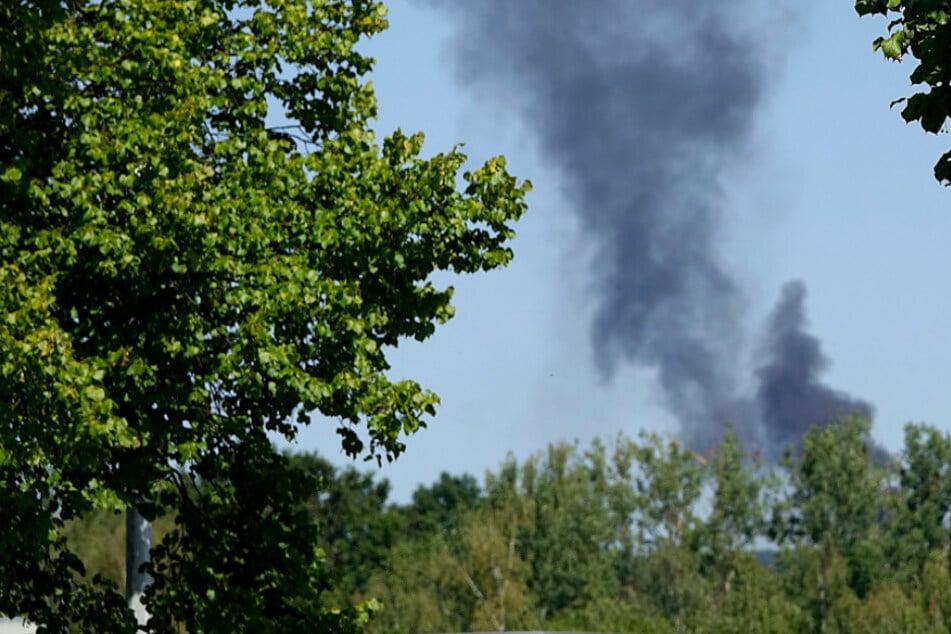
(641, 106)
(790, 394)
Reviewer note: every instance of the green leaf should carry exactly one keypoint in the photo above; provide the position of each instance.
(12, 174)
(891, 47)
(94, 393)
(923, 30)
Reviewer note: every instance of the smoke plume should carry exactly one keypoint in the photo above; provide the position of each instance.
(790, 395)
(641, 106)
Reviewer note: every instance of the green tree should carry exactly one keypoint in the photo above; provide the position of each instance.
(888, 610)
(178, 280)
(572, 527)
(738, 514)
(419, 589)
(935, 590)
(922, 28)
(246, 556)
(470, 577)
(668, 485)
(816, 577)
(756, 604)
(917, 521)
(439, 506)
(831, 518)
(495, 575)
(357, 527)
(835, 488)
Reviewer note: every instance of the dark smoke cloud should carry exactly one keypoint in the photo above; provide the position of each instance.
(790, 396)
(641, 105)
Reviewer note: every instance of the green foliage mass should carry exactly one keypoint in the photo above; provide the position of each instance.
(921, 28)
(178, 279)
(647, 536)
(642, 535)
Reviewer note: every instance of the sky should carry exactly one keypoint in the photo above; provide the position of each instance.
(790, 214)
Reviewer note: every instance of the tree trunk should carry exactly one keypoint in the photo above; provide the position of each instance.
(138, 542)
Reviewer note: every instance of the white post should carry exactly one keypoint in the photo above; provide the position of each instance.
(138, 542)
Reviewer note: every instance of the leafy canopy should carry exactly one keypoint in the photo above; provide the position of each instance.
(178, 279)
(920, 27)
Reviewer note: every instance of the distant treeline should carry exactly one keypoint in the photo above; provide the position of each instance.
(640, 535)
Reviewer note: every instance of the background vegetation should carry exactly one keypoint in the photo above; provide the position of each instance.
(640, 535)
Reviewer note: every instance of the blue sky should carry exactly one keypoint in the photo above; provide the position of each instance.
(834, 189)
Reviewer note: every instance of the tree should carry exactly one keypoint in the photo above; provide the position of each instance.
(356, 526)
(419, 589)
(922, 28)
(917, 521)
(460, 577)
(178, 279)
(496, 576)
(572, 528)
(822, 508)
(246, 559)
(737, 516)
(756, 604)
(832, 514)
(888, 610)
(668, 484)
(438, 507)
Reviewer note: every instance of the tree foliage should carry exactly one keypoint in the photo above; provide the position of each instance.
(921, 28)
(583, 539)
(178, 278)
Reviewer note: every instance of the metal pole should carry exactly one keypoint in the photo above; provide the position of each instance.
(138, 542)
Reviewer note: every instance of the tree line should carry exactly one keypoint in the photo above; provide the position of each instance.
(636, 535)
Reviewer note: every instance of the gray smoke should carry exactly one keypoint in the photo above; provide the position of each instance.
(641, 105)
(790, 394)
